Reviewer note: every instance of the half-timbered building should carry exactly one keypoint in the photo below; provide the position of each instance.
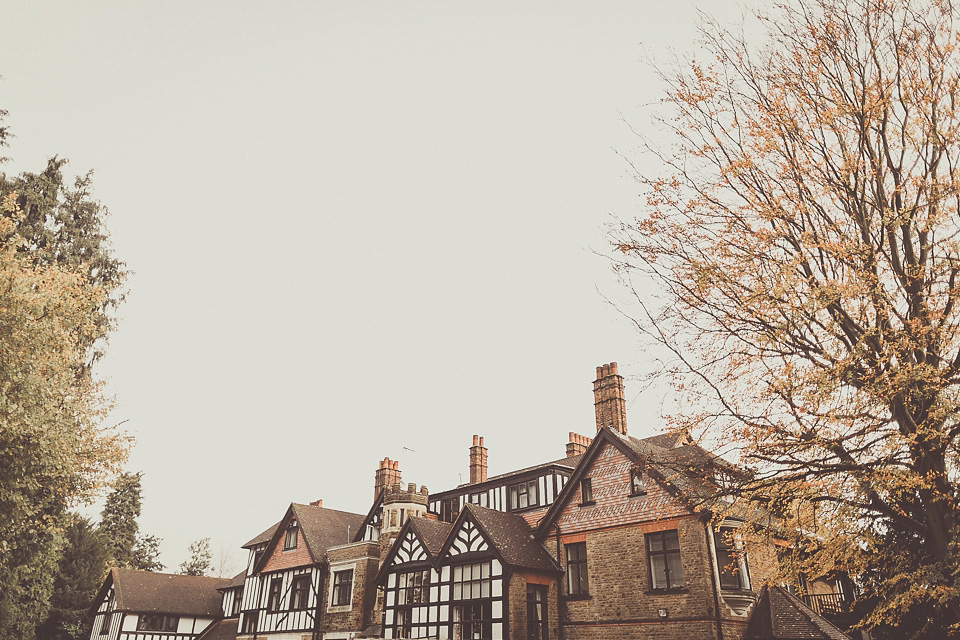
(482, 576)
(142, 605)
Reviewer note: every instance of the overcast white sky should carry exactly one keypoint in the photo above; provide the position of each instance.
(357, 230)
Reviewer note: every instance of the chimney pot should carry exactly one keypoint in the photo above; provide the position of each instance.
(316, 503)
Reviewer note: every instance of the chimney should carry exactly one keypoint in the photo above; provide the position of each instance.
(316, 503)
(608, 399)
(478, 461)
(388, 474)
(578, 444)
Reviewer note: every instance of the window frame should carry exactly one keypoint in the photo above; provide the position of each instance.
(636, 483)
(162, 622)
(275, 595)
(341, 588)
(523, 489)
(577, 569)
(300, 588)
(664, 555)
(291, 536)
(250, 622)
(736, 578)
(586, 492)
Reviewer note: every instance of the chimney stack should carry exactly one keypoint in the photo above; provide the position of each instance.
(317, 503)
(608, 399)
(578, 444)
(478, 461)
(388, 474)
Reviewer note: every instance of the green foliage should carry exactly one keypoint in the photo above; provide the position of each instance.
(146, 554)
(58, 283)
(83, 565)
(118, 520)
(200, 561)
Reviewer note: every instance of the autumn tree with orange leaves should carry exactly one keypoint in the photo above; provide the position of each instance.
(804, 233)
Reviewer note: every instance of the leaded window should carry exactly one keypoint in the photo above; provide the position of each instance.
(290, 537)
(473, 621)
(157, 622)
(663, 550)
(471, 581)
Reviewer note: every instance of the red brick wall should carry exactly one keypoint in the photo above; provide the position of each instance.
(281, 559)
(610, 478)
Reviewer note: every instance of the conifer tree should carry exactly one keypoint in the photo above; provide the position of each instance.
(118, 520)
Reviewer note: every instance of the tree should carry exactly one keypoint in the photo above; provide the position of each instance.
(118, 519)
(53, 450)
(146, 554)
(82, 566)
(200, 561)
(802, 230)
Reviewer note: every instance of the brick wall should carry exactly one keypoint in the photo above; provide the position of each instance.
(281, 559)
(364, 557)
(517, 595)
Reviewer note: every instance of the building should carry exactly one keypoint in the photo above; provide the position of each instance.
(614, 540)
(140, 605)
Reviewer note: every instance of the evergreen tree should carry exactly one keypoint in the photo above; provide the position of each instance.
(200, 561)
(83, 564)
(146, 554)
(118, 520)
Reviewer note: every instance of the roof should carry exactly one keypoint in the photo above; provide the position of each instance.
(262, 538)
(236, 581)
(512, 538)
(325, 528)
(321, 528)
(781, 616)
(432, 533)
(164, 592)
(569, 462)
(221, 630)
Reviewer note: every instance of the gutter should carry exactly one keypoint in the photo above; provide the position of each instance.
(713, 578)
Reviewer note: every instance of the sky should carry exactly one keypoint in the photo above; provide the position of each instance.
(356, 230)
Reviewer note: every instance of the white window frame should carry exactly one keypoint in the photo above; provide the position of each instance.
(334, 568)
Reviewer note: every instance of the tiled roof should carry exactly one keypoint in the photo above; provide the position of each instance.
(513, 538)
(569, 461)
(781, 616)
(220, 630)
(263, 538)
(432, 532)
(166, 593)
(236, 581)
(324, 528)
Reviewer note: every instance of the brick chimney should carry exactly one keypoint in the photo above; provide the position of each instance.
(478, 461)
(388, 474)
(578, 444)
(608, 398)
(317, 503)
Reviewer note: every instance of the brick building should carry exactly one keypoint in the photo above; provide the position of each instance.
(610, 541)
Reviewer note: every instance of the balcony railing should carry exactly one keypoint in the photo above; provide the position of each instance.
(828, 604)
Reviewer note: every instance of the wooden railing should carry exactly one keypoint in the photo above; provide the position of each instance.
(828, 604)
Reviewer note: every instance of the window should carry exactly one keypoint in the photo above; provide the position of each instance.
(577, 583)
(471, 581)
(586, 491)
(257, 554)
(472, 620)
(663, 549)
(276, 594)
(342, 588)
(412, 587)
(237, 599)
(478, 498)
(290, 539)
(523, 495)
(636, 483)
(731, 560)
(249, 622)
(449, 510)
(300, 592)
(157, 622)
(105, 628)
(537, 612)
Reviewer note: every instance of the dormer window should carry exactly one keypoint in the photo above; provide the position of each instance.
(636, 483)
(290, 539)
(523, 495)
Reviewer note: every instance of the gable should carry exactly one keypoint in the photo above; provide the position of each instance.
(279, 558)
(409, 549)
(467, 539)
(609, 471)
